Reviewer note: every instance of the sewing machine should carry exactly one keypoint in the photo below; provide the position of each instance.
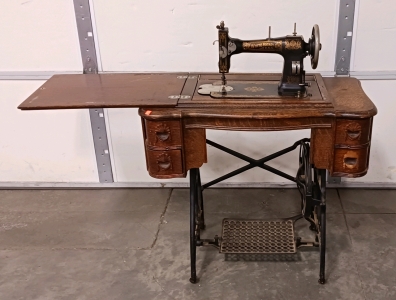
(293, 49)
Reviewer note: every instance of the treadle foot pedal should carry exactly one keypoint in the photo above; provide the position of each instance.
(257, 236)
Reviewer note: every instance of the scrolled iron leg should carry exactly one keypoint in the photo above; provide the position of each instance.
(201, 204)
(193, 237)
(322, 218)
(316, 195)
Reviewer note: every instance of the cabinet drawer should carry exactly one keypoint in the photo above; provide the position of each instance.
(353, 132)
(351, 162)
(163, 133)
(165, 164)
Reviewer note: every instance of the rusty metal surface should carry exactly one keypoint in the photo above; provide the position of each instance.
(257, 236)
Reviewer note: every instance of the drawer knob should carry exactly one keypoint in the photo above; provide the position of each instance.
(164, 165)
(350, 162)
(163, 136)
(353, 135)
(164, 161)
(353, 131)
(162, 132)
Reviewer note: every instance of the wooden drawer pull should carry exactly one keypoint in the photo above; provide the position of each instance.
(350, 162)
(163, 135)
(354, 134)
(353, 131)
(164, 165)
(164, 161)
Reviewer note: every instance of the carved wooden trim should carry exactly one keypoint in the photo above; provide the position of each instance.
(162, 132)
(353, 131)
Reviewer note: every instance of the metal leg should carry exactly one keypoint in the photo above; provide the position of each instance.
(313, 196)
(193, 237)
(322, 218)
(307, 185)
(316, 195)
(200, 202)
(311, 183)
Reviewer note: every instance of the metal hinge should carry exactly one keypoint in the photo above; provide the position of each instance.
(186, 77)
(179, 97)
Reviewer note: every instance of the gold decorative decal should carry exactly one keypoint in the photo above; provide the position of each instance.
(262, 46)
(292, 44)
(223, 66)
(254, 89)
(222, 38)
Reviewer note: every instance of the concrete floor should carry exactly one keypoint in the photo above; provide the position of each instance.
(133, 244)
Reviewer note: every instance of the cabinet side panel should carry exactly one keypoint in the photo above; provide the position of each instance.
(194, 148)
(322, 146)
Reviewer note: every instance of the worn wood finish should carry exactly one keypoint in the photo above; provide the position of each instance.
(335, 124)
(322, 147)
(352, 147)
(194, 148)
(164, 149)
(146, 90)
(163, 134)
(174, 127)
(351, 162)
(353, 131)
(106, 90)
(266, 112)
(257, 124)
(165, 163)
(189, 87)
(350, 101)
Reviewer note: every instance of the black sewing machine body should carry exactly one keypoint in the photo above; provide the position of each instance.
(293, 49)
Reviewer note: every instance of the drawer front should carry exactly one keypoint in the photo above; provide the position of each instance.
(353, 132)
(351, 162)
(165, 164)
(163, 133)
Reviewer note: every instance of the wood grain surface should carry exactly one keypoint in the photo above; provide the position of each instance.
(350, 101)
(74, 91)
(340, 115)
(106, 90)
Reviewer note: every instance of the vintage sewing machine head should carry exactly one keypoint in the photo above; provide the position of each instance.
(293, 48)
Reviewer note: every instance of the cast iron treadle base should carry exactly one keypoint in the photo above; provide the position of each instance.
(257, 236)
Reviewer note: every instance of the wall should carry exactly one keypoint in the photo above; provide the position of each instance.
(44, 146)
(174, 35)
(374, 45)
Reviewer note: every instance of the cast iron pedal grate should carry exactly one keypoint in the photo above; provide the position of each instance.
(257, 236)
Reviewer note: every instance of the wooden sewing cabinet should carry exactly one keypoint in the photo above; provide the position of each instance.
(175, 116)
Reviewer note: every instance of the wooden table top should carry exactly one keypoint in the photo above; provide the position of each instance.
(163, 90)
